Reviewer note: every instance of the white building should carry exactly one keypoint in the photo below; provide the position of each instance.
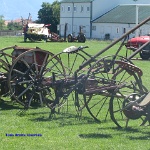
(103, 17)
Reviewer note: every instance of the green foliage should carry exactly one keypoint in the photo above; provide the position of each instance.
(14, 26)
(50, 14)
(2, 22)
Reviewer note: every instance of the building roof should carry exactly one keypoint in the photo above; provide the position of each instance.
(124, 14)
(75, 1)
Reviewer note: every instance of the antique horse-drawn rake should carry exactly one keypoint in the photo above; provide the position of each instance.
(101, 84)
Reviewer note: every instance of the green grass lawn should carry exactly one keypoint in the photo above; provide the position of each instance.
(67, 131)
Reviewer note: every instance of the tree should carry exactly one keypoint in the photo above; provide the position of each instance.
(49, 14)
(14, 26)
(2, 22)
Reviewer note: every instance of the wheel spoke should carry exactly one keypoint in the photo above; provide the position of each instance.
(44, 63)
(27, 88)
(35, 63)
(28, 66)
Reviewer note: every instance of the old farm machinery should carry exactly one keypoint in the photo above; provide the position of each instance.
(39, 32)
(102, 84)
(21, 87)
(79, 38)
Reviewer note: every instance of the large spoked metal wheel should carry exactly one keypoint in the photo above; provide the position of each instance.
(72, 95)
(101, 83)
(32, 76)
(98, 88)
(127, 77)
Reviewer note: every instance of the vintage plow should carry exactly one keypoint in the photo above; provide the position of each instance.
(100, 83)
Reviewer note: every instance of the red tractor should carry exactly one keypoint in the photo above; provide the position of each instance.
(136, 42)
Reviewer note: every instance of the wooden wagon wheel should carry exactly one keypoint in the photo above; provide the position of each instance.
(7, 57)
(101, 82)
(6, 60)
(31, 77)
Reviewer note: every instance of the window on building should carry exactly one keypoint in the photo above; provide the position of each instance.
(124, 30)
(117, 30)
(88, 8)
(69, 8)
(62, 9)
(94, 28)
(82, 8)
(75, 8)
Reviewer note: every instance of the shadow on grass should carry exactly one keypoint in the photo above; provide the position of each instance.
(65, 119)
(8, 105)
(32, 42)
(19, 109)
(122, 130)
(128, 129)
(130, 133)
(146, 137)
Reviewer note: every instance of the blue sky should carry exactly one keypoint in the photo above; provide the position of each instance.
(14, 9)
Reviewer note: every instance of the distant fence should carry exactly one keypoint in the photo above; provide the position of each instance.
(11, 33)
